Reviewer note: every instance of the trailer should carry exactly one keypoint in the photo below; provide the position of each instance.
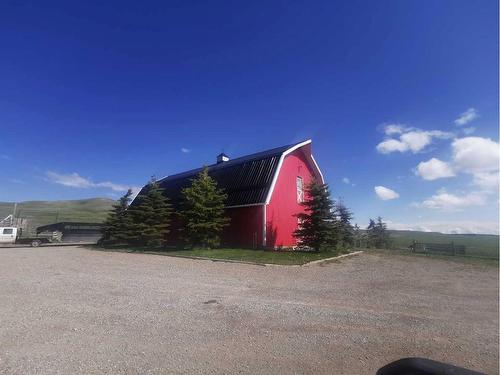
(73, 232)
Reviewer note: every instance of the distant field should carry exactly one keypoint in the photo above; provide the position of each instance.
(484, 245)
(47, 212)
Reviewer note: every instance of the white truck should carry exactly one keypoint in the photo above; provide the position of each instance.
(13, 235)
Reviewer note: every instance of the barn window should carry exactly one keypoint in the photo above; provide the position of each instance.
(300, 190)
(8, 231)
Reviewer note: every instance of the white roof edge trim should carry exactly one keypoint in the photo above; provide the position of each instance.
(245, 205)
(319, 170)
(280, 163)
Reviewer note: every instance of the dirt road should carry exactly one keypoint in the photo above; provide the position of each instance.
(71, 310)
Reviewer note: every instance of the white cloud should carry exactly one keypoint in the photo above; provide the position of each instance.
(410, 139)
(185, 150)
(112, 186)
(72, 180)
(466, 117)
(385, 193)
(345, 180)
(476, 154)
(445, 201)
(416, 140)
(77, 181)
(392, 129)
(434, 169)
(452, 227)
(391, 145)
(487, 180)
(479, 157)
(468, 131)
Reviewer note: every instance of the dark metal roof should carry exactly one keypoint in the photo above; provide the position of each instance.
(246, 180)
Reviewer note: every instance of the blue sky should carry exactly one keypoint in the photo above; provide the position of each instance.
(399, 95)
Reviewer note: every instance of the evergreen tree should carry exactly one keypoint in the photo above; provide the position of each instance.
(318, 225)
(117, 227)
(357, 236)
(151, 214)
(203, 212)
(371, 232)
(378, 236)
(345, 230)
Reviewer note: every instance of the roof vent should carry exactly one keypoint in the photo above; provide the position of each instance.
(222, 158)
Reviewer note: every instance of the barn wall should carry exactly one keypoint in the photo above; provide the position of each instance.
(246, 227)
(174, 236)
(280, 219)
(244, 230)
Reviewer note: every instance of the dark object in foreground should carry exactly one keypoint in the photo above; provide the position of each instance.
(422, 366)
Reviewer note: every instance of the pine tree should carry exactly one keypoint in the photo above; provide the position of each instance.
(117, 227)
(357, 235)
(372, 236)
(318, 225)
(203, 212)
(151, 214)
(344, 216)
(378, 236)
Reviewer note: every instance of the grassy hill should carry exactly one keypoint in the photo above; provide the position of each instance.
(476, 244)
(46, 212)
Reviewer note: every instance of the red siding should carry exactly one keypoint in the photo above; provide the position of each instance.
(244, 230)
(246, 227)
(280, 219)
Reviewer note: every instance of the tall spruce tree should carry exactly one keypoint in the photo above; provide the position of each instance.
(151, 214)
(203, 212)
(357, 235)
(318, 227)
(378, 236)
(371, 232)
(118, 225)
(345, 227)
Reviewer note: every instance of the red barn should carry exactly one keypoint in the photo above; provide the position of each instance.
(264, 193)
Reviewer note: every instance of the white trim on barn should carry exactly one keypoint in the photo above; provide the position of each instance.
(264, 226)
(280, 164)
(245, 205)
(317, 167)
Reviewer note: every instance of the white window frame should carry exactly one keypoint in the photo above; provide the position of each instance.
(300, 189)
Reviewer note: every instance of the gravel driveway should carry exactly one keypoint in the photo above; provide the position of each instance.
(67, 310)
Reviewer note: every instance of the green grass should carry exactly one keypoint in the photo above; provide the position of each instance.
(47, 212)
(458, 259)
(242, 255)
(476, 245)
(256, 256)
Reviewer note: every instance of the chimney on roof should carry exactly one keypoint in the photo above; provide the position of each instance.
(222, 157)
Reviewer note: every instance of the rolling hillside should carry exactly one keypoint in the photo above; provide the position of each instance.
(47, 212)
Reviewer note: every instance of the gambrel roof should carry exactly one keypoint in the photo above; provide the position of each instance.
(247, 180)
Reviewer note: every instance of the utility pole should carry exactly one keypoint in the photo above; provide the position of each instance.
(13, 214)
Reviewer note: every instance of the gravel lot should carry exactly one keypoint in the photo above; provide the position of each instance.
(67, 310)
